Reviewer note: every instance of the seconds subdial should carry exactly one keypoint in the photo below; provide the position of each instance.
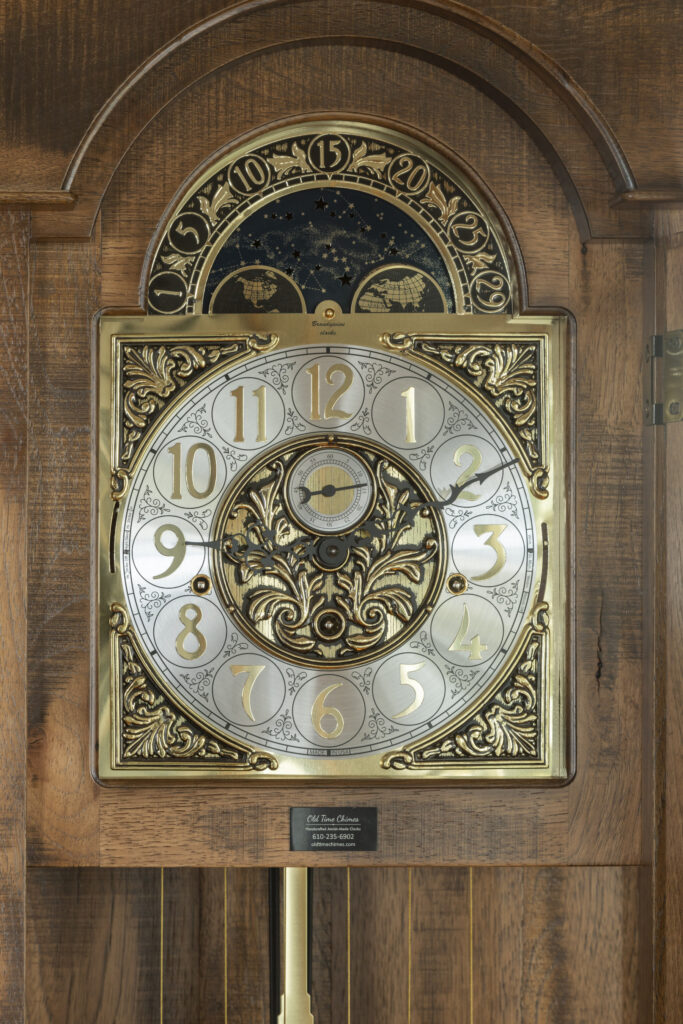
(330, 490)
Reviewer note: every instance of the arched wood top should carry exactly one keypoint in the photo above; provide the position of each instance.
(547, 70)
(529, 86)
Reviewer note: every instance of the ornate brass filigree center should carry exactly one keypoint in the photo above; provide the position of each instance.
(314, 598)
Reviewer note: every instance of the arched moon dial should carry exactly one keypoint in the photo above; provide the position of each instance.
(330, 490)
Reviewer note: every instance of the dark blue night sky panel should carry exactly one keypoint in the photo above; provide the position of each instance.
(327, 240)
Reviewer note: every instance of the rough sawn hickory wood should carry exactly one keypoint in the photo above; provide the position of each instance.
(577, 916)
(14, 299)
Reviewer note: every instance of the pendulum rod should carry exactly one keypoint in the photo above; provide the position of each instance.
(295, 1005)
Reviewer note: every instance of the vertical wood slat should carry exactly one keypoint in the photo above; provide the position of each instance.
(440, 945)
(65, 292)
(329, 945)
(555, 944)
(193, 946)
(14, 292)
(93, 949)
(666, 626)
(248, 962)
(380, 915)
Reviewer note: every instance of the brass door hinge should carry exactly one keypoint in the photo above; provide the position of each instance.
(664, 378)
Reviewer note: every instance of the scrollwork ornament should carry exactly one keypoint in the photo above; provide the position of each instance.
(262, 343)
(398, 759)
(152, 374)
(279, 591)
(398, 342)
(505, 730)
(120, 479)
(540, 618)
(151, 729)
(508, 374)
(540, 481)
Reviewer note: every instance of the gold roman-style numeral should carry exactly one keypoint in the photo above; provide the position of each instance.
(253, 672)
(321, 710)
(494, 531)
(190, 629)
(192, 452)
(473, 645)
(335, 371)
(418, 688)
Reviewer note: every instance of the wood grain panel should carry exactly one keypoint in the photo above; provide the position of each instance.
(555, 944)
(65, 296)
(533, 91)
(194, 946)
(666, 662)
(14, 297)
(93, 947)
(670, 931)
(182, 927)
(380, 945)
(211, 945)
(248, 963)
(440, 946)
(77, 59)
(607, 300)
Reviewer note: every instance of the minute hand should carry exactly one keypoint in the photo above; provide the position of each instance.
(457, 489)
(328, 491)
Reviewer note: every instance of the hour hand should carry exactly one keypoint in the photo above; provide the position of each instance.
(228, 542)
(215, 545)
(456, 490)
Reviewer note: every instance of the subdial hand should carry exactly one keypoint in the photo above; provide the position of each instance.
(328, 491)
(457, 489)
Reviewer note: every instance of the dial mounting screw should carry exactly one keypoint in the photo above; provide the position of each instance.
(456, 584)
(201, 585)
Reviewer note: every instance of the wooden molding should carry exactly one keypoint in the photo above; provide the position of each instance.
(649, 197)
(57, 200)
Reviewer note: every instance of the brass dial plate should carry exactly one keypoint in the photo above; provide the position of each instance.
(289, 662)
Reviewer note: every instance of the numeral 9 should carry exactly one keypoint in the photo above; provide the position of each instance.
(176, 552)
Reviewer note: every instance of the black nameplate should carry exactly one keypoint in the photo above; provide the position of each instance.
(333, 828)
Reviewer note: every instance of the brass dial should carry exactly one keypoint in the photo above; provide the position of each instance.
(333, 551)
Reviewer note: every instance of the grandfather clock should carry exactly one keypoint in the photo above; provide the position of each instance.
(341, 390)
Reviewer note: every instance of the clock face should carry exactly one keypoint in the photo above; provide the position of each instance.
(332, 519)
(329, 550)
